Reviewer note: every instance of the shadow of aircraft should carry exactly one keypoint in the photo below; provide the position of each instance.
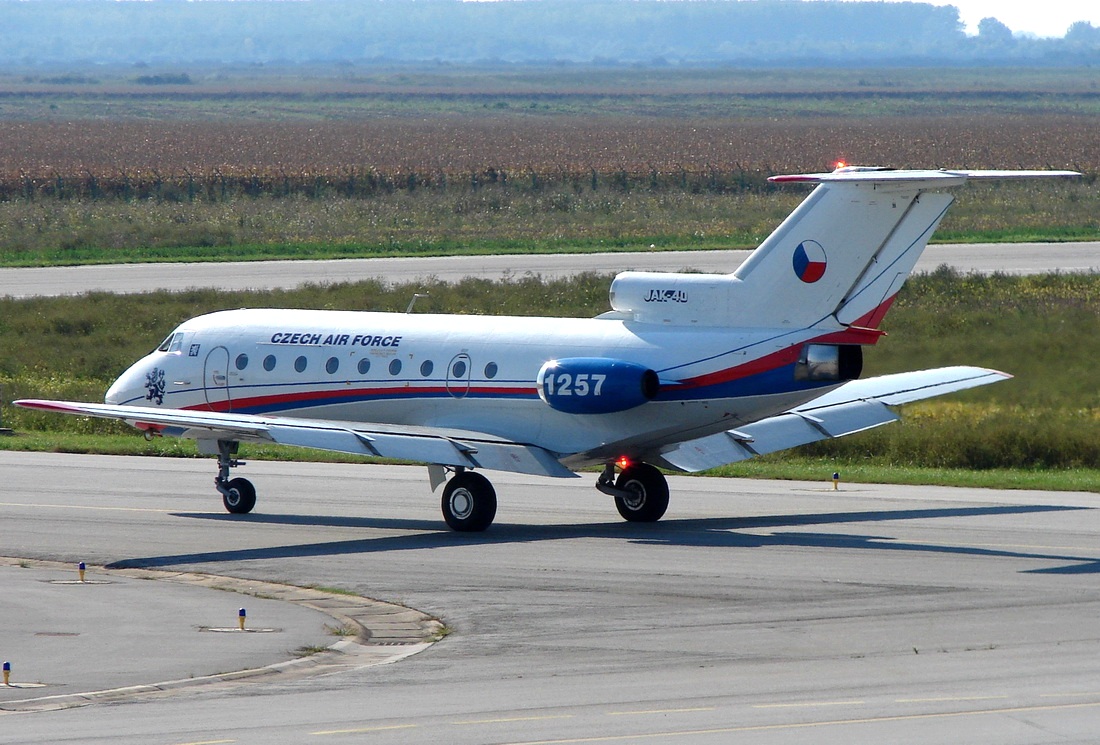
(695, 532)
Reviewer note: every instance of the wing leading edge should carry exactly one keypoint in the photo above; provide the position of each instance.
(424, 444)
(854, 407)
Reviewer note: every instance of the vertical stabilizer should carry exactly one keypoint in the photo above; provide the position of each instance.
(842, 255)
(846, 242)
(836, 262)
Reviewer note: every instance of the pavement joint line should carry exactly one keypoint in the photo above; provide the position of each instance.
(351, 611)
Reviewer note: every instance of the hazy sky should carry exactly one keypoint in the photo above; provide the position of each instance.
(1039, 17)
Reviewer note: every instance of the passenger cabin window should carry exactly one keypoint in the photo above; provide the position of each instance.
(300, 364)
(269, 362)
(364, 366)
(491, 370)
(395, 367)
(332, 365)
(242, 361)
(426, 368)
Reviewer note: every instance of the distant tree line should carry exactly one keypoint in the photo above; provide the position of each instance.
(47, 33)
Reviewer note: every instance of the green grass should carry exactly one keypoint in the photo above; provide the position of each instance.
(798, 468)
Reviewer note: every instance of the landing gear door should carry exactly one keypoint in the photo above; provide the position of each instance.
(216, 379)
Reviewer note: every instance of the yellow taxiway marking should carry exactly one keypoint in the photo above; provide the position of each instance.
(515, 719)
(207, 742)
(808, 704)
(659, 711)
(808, 725)
(357, 730)
(86, 507)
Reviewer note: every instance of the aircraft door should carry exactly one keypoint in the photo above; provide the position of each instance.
(216, 379)
(458, 376)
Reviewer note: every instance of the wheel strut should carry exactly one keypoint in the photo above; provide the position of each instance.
(226, 450)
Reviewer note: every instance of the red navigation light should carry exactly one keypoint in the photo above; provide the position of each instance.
(623, 462)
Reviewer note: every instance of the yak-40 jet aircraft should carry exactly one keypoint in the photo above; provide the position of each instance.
(685, 372)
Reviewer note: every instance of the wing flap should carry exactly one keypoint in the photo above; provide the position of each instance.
(778, 433)
(854, 407)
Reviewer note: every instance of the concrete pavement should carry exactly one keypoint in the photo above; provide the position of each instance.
(121, 633)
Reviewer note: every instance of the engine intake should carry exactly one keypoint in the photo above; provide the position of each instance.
(595, 385)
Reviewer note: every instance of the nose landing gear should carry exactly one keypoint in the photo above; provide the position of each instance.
(238, 495)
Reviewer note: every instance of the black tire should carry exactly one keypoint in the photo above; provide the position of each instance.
(469, 502)
(241, 497)
(650, 492)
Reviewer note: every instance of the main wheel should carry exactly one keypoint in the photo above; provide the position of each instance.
(469, 502)
(241, 497)
(649, 493)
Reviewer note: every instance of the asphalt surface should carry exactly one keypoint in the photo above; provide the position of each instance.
(1018, 258)
(756, 611)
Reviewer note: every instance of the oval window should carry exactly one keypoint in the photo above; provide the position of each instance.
(364, 366)
(242, 361)
(332, 365)
(269, 362)
(491, 370)
(300, 364)
(426, 368)
(458, 370)
(395, 367)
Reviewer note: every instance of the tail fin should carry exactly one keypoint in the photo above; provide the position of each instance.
(843, 254)
(836, 262)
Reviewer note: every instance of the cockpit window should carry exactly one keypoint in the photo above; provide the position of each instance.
(174, 343)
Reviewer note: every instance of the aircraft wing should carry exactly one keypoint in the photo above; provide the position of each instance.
(853, 407)
(434, 445)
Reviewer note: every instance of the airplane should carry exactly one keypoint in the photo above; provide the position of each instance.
(685, 372)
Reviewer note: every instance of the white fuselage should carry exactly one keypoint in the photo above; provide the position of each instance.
(469, 373)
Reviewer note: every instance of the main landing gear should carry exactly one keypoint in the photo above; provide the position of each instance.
(469, 502)
(640, 491)
(238, 495)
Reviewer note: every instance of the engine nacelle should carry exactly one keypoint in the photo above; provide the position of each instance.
(595, 385)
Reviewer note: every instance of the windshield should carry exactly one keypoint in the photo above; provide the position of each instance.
(173, 343)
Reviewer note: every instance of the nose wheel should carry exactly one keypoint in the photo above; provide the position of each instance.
(239, 496)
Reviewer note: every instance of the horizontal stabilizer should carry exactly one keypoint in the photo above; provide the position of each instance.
(854, 407)
(941, 177)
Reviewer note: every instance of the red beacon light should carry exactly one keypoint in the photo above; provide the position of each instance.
(840, 165)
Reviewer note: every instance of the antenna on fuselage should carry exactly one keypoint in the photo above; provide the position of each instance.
(416, 296)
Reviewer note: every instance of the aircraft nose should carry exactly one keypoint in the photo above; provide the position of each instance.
(129, 388)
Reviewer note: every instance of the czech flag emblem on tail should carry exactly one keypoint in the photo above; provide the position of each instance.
(809, 261)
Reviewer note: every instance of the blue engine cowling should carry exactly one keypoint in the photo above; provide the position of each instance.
(595, 385)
